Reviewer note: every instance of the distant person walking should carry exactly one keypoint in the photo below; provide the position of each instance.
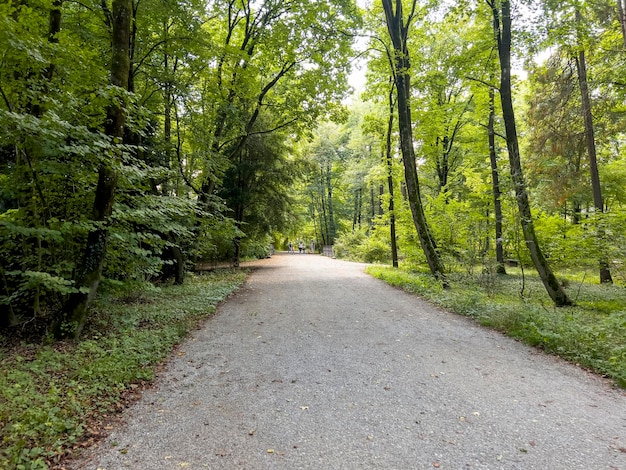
(291, 248)
(301, 247)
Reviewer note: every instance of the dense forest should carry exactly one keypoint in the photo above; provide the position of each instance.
(139, 139)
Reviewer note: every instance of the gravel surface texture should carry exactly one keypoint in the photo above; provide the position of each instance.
(315, 365)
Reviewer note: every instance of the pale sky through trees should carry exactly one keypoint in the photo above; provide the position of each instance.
(356, 78)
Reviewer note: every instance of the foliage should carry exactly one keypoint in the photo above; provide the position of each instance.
(53, 396)
(454, 68)
(358, 246)
(216, 91)
(590, 334)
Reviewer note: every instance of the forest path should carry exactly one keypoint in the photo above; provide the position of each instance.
(315, 365)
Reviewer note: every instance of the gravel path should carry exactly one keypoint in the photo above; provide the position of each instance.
(315, 365)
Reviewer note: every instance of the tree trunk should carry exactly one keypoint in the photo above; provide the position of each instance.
(87, 279)
(332, 232)
(179, 259)
(177, 252)
(236, 251)
(502, 30)
(389, 162)
(168, 105)
(324, 216)
(54, 27)
(576, 211)
(495, 181)
(372, 206)
(356, 217)
(581, 66)
(442, 164)
(621, 16)
(398, 33)
(359, 212)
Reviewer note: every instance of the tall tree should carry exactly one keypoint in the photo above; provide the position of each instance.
(390, 184)
(278, 65)
(556, 137)
(256, 186)
(581, 67)
(398, 29)
(621, 16)
(573, 29)
(501, 12)
(74, 314)
(495, 183)
(326, 155)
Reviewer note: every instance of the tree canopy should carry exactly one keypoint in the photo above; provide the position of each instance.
(139, 140)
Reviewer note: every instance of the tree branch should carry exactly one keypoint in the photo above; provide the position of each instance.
(487, 84)
(6, 99)
(266, 131)
(152, 49)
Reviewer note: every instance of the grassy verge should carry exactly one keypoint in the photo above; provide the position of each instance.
(55, 396)
(591, 334)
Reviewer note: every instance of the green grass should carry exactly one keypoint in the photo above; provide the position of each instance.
(591, 334)
(50, 394)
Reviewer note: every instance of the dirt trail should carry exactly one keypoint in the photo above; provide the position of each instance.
(315, 365)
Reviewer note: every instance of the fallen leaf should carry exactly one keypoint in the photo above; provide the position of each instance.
(270, 451)
(436, 464)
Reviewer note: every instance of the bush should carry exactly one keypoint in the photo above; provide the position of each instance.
(255, 249)
(375, 251)
(347, 245)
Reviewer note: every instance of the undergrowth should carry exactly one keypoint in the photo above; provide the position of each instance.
(591, 334)
(50, 393)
